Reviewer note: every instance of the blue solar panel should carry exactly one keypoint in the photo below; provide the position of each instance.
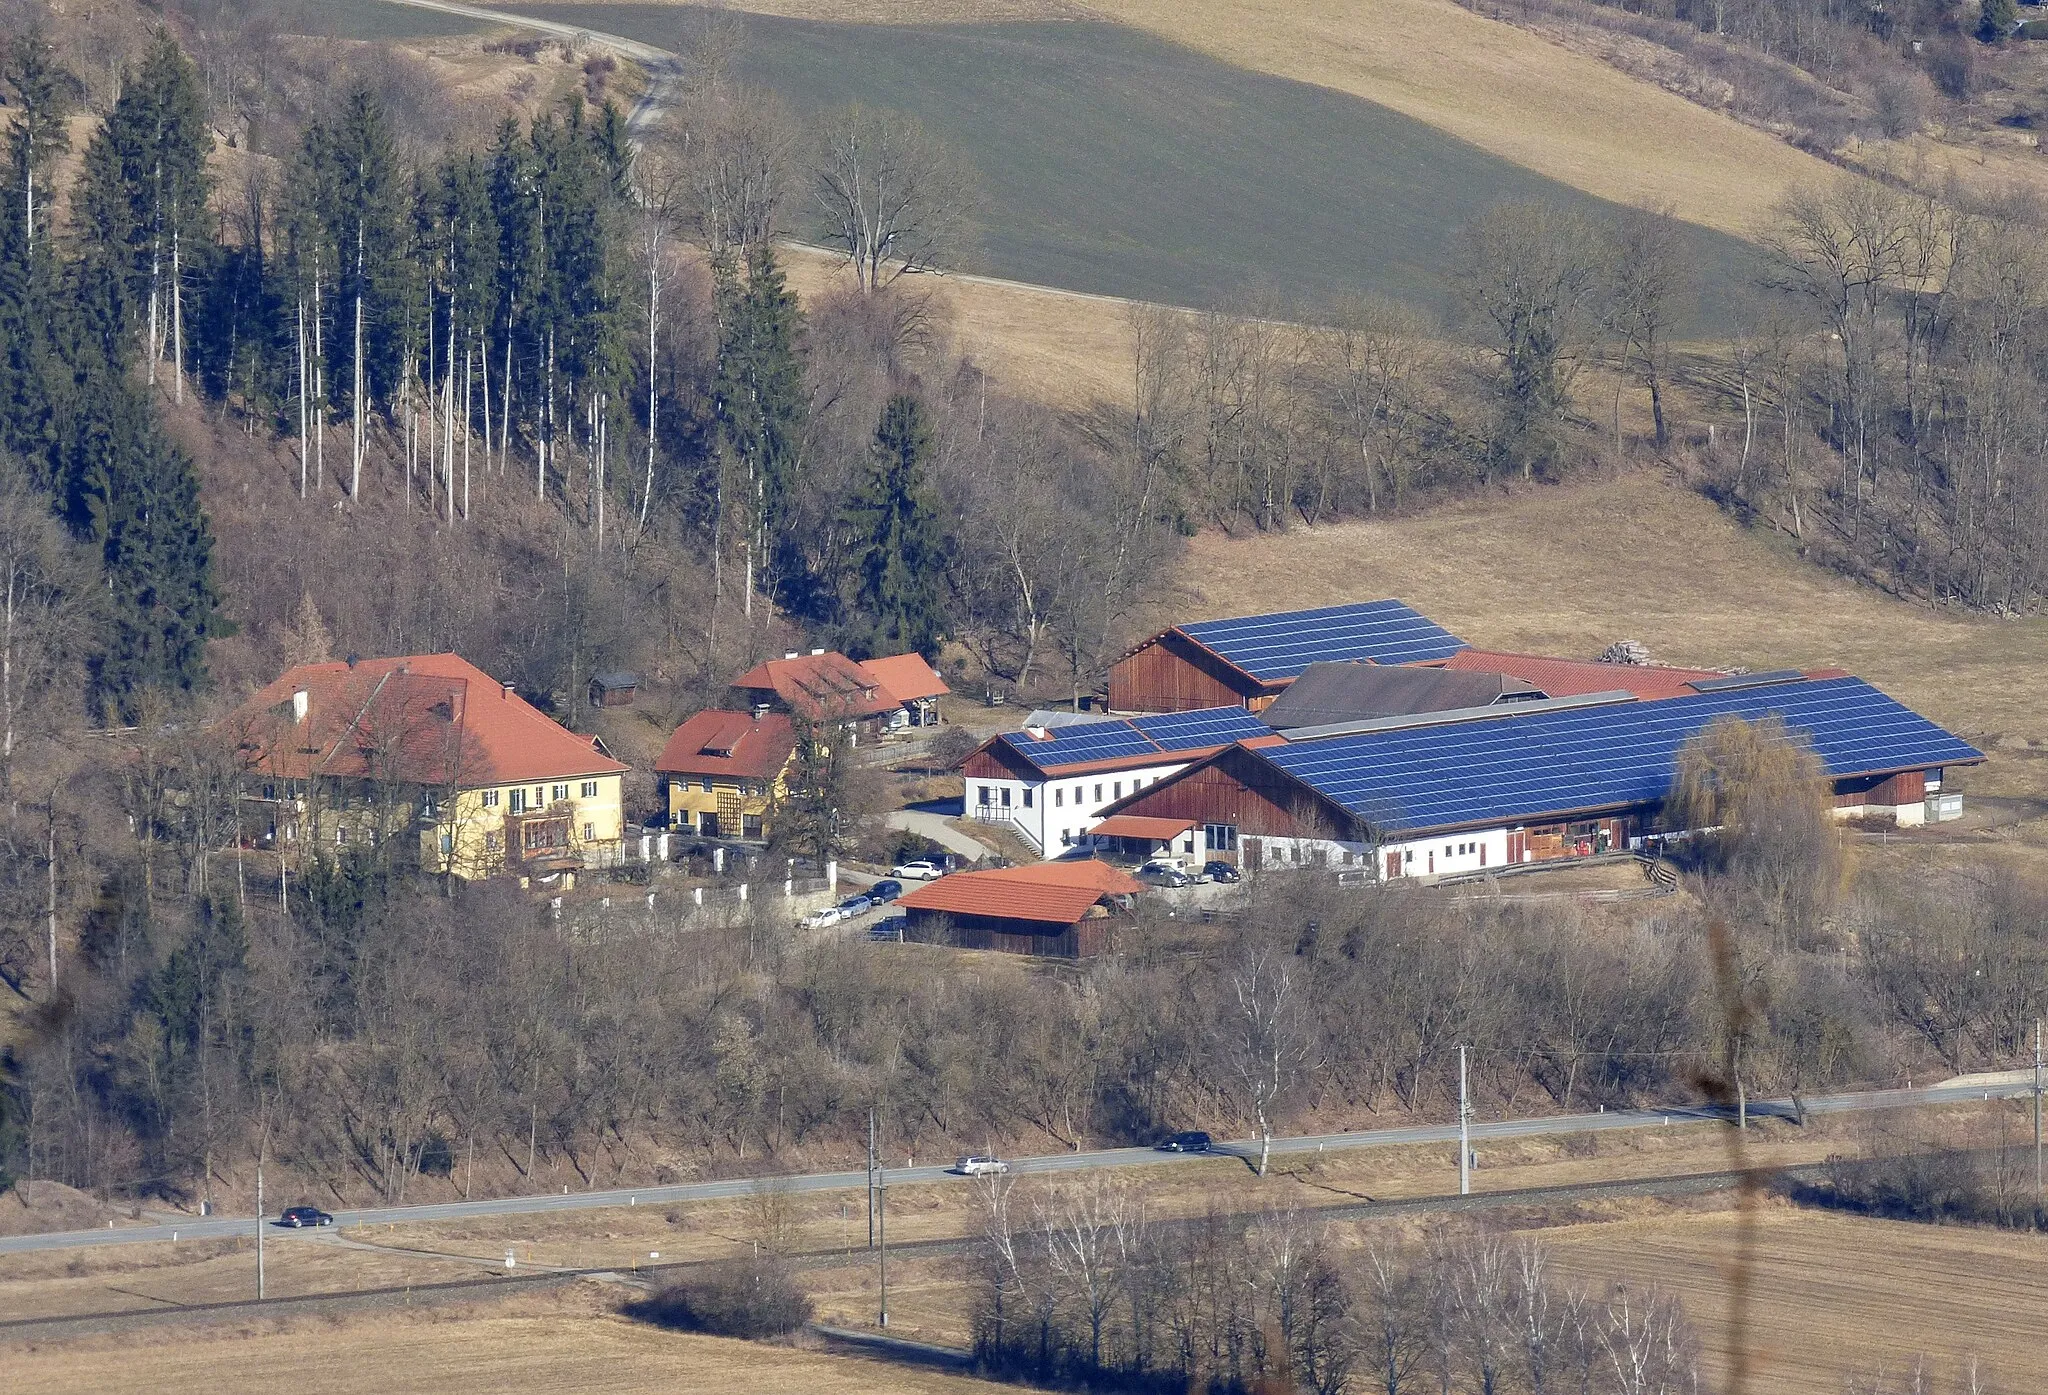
(1545, 763)
(1209, 726)
(1120, 738)
(1275, 647)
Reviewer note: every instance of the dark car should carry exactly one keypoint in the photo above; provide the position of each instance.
(1221, 872)
(299, 1217)
(888, 889)
(1162, 874)
(1191, 1141)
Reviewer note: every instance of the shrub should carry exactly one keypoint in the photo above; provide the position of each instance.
(751, 1298)
(1953, 66)
(1996, 19)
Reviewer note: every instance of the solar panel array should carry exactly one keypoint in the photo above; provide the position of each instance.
(1120, 738)
(1555, 762)
(1275, 647)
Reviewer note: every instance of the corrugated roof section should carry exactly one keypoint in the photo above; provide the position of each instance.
(1571, 677)
(1274, 648)
(1053, 893)
(1346, 692)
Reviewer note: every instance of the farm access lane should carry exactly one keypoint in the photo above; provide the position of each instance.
(216, 1227)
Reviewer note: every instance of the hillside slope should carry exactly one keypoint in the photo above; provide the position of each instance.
(1570, 570)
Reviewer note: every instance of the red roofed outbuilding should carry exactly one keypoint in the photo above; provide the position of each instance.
(1051, 908)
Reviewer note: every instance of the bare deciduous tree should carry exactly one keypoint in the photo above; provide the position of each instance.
(892, 198)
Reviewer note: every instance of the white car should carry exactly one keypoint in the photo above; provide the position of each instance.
(980, 1167)
(919, 871)
(818, 920)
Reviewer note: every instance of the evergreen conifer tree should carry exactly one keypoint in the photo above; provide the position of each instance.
(899, 550)
(758, 397)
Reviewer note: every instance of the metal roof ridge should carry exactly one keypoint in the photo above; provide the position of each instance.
(1457, 714)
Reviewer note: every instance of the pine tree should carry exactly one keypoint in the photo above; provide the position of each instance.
(44, 92)
(368, 190)
(141, 208)
(899, 550)
(759, 400)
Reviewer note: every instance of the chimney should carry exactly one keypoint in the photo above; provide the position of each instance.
(353, 659)
(816, 652)
(1038, 733)
(760, 710)
(300, 702)
(506, 689)
(791, 654)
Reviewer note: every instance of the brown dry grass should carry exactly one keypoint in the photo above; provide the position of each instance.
(1567, 571)
(1834, 1295)
(571, 1341)
(1054, 346)
(52, 1284)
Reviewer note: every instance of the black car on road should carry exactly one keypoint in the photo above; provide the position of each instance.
(887, 889)
(1220, 872)
(301, 1217)
(1189, 1141)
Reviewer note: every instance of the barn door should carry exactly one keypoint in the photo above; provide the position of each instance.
(1393, 865)
(1254, 853)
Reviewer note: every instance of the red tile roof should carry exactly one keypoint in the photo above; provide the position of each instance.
(1053, 893)
(1573, 677)
(738, 744)
(819, 686)
(906, 677)
(1141, 826)
(431, 719)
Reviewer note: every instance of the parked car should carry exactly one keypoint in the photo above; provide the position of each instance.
(921, 870)
(1221, 872)
(888, 889)
(1188, 1141)
(890, 928)
(856, 905)
(304, 1217)
(980, 1166)
(1162, 874)
(819, 919)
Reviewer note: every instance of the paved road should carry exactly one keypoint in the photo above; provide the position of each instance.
(1549, 1125)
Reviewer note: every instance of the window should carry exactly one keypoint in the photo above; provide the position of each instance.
(1222, 837)
(983, 799)
(1006, 796)
(1098, 794)
(518, 801)
(750, 825)
(341, 835)
(589, 832)
(447, 844)
(538, 800)
(589, 789)
(494, 841)
(558, 793)
(1447, 850)
(1027, 796)
(490, 799)
(705, 784)
(1059, 797)
(1119, 790)
(1408, 858)
(1188, 845)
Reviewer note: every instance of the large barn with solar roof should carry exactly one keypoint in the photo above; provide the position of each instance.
(1430, 793)
(1249, 661)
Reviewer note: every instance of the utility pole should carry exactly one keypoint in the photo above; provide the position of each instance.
(871, 1179)
(882, 1234)
(2037, 1116)
(1464, 1130)
(259, 1228)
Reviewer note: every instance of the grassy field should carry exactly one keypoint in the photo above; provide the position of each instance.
(1566, 116)
(1120, 162)
(1568, 571)
(571, 1341)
